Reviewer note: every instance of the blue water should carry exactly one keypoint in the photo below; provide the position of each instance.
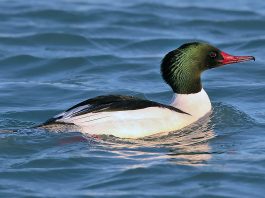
(54, 54)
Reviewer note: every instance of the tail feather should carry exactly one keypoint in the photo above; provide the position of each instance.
(8, 130)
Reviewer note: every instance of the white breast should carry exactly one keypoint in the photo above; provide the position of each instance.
(197, 104)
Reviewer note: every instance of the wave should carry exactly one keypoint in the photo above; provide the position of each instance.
(46, 39)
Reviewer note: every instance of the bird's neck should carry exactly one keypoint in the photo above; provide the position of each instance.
(196, 104)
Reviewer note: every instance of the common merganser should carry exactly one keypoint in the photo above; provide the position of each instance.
(132, 117)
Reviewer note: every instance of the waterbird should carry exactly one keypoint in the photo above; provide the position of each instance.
(133, 117)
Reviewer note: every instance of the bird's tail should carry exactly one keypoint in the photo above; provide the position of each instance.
(8, 130)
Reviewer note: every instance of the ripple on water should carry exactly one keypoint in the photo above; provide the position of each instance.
(55, 54)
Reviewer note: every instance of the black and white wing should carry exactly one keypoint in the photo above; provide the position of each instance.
(109, 103)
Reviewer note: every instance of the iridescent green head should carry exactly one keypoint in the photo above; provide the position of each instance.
(182, 67)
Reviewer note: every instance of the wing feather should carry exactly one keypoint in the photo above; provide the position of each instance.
(110, 103)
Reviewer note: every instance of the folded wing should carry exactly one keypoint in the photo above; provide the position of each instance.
(109, 103)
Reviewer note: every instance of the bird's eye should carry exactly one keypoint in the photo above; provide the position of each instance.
(213, 54)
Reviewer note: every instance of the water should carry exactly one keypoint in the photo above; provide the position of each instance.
(54, 54)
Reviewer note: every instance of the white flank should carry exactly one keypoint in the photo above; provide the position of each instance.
(143, 122)
(131, 124)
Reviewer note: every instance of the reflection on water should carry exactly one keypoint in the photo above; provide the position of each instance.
(194, 149)
(189, 146)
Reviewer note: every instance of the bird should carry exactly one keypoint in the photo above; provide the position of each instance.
(133, 117)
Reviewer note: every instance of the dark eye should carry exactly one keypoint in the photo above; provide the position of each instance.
(212, 54)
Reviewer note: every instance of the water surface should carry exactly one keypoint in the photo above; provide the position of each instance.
(54, 54)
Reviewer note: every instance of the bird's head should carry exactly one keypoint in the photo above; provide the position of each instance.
(182, 67)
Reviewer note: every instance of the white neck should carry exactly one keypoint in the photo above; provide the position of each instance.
(197, 104)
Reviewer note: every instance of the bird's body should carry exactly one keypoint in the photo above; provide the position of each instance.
(131, 117)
